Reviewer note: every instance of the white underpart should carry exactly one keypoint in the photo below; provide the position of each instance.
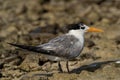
(54, 58)
(78, 34)
(118, 62)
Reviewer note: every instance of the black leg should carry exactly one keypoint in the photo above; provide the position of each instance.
(67, 66)
(60, 68)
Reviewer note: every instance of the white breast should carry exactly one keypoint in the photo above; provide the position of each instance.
(79, 35)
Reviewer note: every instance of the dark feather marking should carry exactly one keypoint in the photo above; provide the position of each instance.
(33, 49)
(75, 26)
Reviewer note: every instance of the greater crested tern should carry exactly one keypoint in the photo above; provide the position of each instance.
(64, 47)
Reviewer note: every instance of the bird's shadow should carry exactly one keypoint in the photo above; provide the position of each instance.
(91, 67)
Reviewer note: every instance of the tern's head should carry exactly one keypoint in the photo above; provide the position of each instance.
(84, 28)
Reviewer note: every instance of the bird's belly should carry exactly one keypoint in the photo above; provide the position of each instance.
(54, 58)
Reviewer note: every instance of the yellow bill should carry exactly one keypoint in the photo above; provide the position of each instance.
(92, 29)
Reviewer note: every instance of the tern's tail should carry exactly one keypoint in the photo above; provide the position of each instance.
(32, 48)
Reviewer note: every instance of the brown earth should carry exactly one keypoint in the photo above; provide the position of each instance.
(34, 22)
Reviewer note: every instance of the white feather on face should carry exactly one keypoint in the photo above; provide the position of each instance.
(79, 31)
(84, 27)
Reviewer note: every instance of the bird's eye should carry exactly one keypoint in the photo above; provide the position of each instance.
(82, 27)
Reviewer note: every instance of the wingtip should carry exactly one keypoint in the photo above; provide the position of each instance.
(10, 43)
(13, 44)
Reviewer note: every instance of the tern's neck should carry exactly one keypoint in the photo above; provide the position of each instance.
(78, 34)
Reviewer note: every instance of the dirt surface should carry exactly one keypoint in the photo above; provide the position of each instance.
(34, 22)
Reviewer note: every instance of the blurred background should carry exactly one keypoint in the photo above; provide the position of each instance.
(34, 22)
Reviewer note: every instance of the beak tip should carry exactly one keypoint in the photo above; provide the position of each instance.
(102, 31)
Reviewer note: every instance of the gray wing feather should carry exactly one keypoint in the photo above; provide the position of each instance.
(63, 46)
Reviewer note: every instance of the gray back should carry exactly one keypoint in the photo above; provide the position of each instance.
(66, 46)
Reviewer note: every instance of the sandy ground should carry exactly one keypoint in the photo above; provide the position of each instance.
(34, 22)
